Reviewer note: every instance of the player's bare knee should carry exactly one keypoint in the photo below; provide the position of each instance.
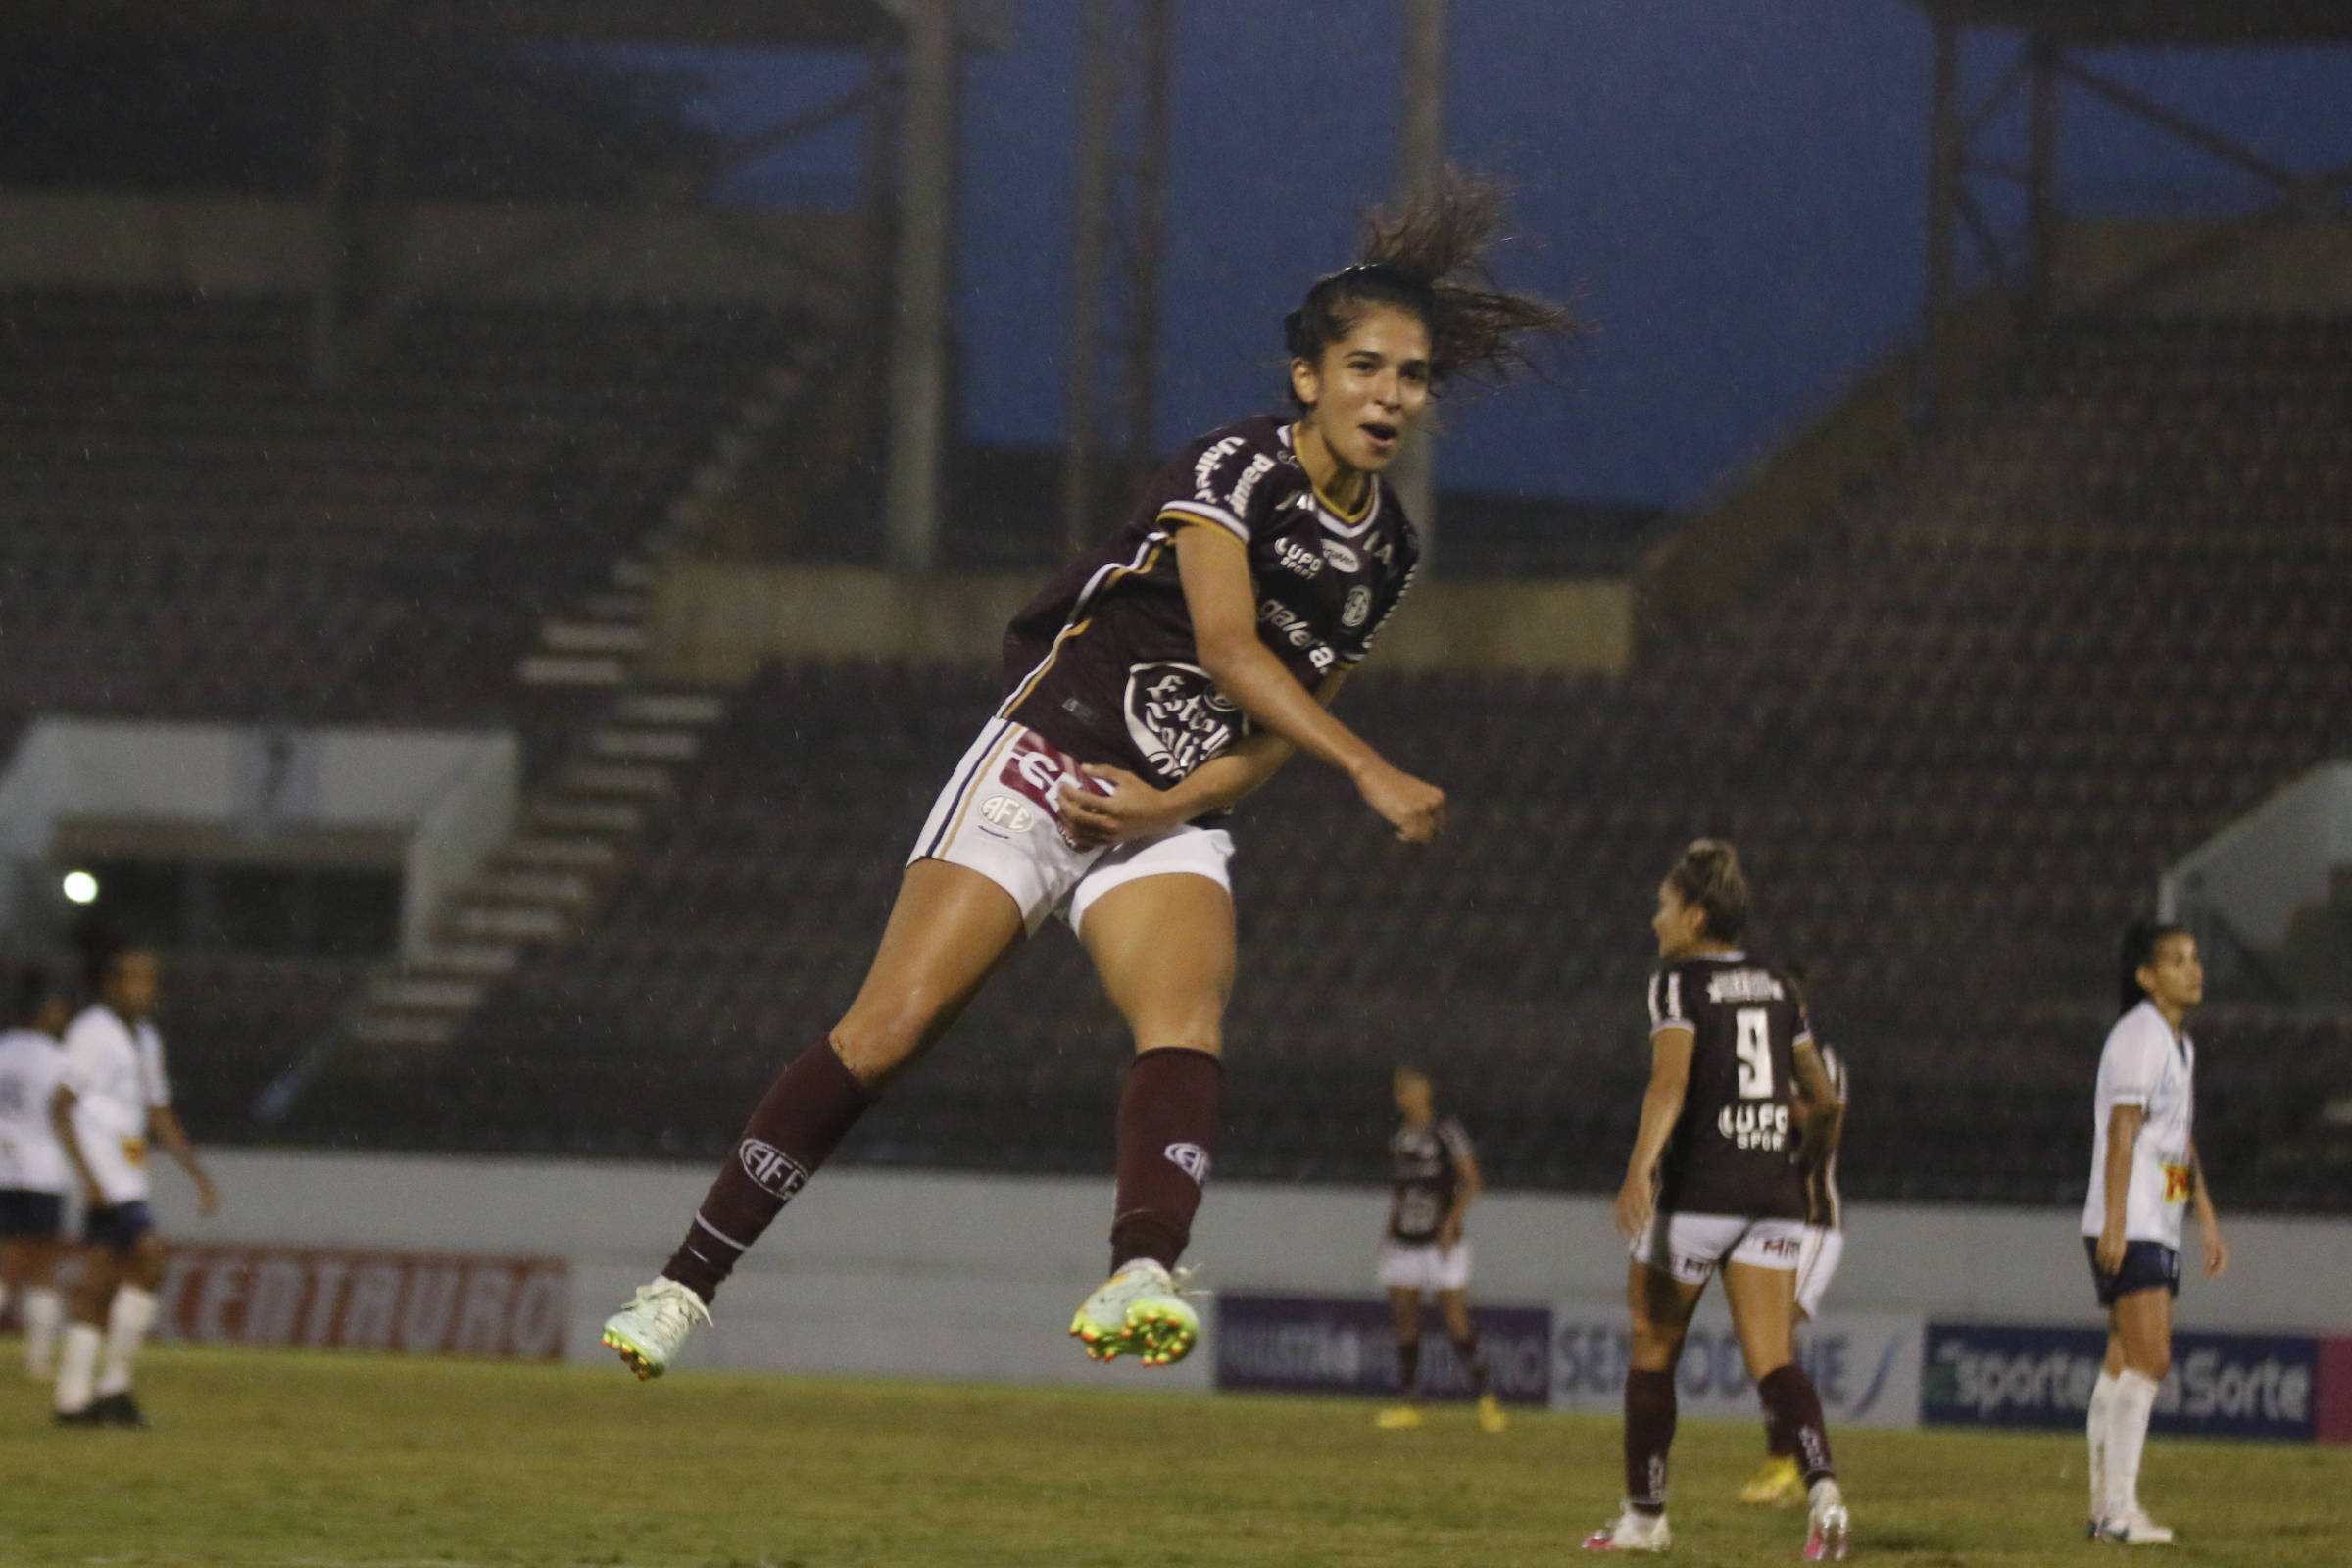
(875, 1043)
(1208, 1040)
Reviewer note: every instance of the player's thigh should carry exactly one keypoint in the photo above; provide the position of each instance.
(142, 1264)
(1454, 1304)
(1763, 1304)
(949, 930)
(100, 1271)
(1163, 947)
(1660, 1306)
(2142, 1323)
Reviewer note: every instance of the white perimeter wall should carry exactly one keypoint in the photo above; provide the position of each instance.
(868, 1270)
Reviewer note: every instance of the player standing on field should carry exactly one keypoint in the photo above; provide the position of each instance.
(2144, 1171)
(112, 1097)
(1433, 1179)
(1713, 1183)
(1152, 685)
(1780, 1483)
(32, 1166)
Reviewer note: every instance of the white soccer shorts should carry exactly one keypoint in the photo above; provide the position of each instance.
(1421, 1267)
(1817, 1265)
(1001, 816)
(1691, 1247)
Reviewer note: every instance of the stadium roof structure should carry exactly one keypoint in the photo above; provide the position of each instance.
(731, 23)
(2204, 24)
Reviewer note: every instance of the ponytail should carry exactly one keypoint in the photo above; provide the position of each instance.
(1708, 876)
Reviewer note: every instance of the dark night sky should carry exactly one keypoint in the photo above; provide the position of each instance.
(1732, 190)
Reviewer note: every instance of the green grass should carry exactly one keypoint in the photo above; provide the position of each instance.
(271, 1461)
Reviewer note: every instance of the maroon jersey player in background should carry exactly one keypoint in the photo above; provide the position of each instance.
(1714, 1184)
(1153, 684)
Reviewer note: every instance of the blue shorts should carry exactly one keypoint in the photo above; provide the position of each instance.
(117, 1227)
(2147, 1266)
(30, 1214)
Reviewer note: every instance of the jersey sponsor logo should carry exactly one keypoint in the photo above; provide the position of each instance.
(1205, 469)
(2175, 1183)
(1357, 609)
(1190, 1159)
(1259, 467)
(1744, 984)
(1341, 557)
(773, 1169)
(1750, 1125)
(1177, 717)
(1295, 556)
(1009, 813)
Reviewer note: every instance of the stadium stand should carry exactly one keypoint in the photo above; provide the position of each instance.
(1959, 737)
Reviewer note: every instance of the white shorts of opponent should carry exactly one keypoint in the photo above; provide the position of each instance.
(1817, 1265)
(1690, 1247)
(1422, 1266)
(1001, 816)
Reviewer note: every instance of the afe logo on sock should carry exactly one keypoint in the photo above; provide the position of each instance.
(1190, 1159)
(773, 1169)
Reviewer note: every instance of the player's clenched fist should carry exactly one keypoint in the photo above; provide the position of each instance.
(1414, 808)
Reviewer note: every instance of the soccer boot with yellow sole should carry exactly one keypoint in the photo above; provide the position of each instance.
(649, 1332)
(1778, 1484)
(1632, 1532)
(1139, 1312)
(1398, 1418)
(1490, 1414)
(2134, 1528)
(1827, 1526)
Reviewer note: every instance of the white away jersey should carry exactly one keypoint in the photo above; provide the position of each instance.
(2145, 1065)
(30, 1157)
(116, 1071)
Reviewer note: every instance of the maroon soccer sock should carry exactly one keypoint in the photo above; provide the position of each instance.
(1778, 1444)
(1473, 1354)
(1408, 1367)
(1793, 1407)
(796, 1123)
(1649, 1435)
(1167, 1134)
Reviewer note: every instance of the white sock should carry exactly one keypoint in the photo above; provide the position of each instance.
(2127, 1436)
(127, 1325)
(2102, 1416)
(43, 1308)
(76, 1363)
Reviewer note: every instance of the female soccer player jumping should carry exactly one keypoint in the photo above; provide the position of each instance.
(1714, 1182)
(1152, 685)
(2144, 1171)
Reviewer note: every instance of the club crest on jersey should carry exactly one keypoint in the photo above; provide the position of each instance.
(1340, 556)
(773, 1169)
(1295, 556)
(1190, 1159)
(1357, 607)
(1177, 717)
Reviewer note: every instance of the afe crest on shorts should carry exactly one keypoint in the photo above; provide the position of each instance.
(773, 1169)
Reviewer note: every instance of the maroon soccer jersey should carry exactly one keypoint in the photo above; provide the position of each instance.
(1731, 1151)
(1102, 662)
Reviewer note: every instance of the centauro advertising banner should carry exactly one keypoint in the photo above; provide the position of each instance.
(1865, 1365)
(421, 1303)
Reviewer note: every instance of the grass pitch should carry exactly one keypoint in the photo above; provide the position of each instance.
(320, 1461)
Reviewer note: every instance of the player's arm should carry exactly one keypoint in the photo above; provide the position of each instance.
(164, 1122)
(1135, 808)
(1469, 1186)
(1824, 1114)
(2123, 1132)
(61, 1122)
(1222, 601)
(1670, 1049)
(2209, 1223)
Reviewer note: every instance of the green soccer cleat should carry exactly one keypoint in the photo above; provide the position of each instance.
(1140, 1312)
(649, 1332)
